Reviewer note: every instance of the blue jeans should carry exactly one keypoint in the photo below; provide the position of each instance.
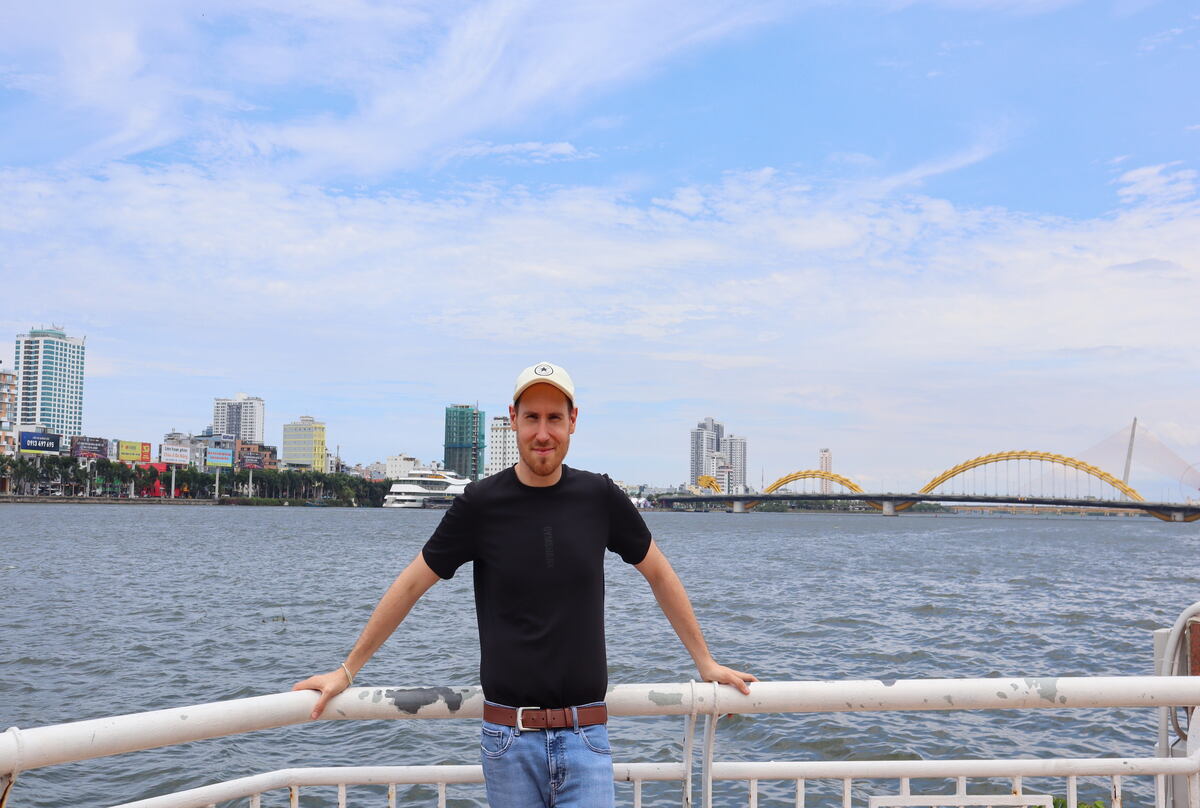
(550, 768)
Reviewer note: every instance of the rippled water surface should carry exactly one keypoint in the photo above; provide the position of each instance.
(118, 609)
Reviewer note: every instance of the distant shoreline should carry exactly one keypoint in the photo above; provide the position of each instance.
(25, 500)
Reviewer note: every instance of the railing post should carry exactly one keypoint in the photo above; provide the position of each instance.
(710, 739)
(689, 750)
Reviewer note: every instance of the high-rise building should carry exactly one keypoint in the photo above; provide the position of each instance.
(705, 439)
(240, 416)
(49, 368)
(464, 440)
(825, 460)
(304, 444)
(734, 449)
(8, 409)
(502, 445)
(717, 466)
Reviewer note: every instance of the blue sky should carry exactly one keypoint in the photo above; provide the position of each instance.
(913, 232)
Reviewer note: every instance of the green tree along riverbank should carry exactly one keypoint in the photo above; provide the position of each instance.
(53, 476)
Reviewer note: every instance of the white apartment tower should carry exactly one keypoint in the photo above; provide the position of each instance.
(49, 369)
(705, 441)
(825, 461)
(734, 449)
(241, 416)
(502, 446)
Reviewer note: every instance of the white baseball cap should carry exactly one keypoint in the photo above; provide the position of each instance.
(545, 373)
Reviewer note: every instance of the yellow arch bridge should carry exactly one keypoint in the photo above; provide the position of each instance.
(895, 503)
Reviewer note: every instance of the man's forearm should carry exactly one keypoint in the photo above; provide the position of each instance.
(413, 582)
(673, 600)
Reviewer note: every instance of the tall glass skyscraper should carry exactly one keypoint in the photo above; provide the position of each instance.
(464, 440)
(49, 368)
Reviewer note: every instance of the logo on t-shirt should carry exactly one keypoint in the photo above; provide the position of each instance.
(543, 370)
(548, 545)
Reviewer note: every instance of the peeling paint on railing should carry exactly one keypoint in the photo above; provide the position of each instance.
(36, 747)
(83, 740)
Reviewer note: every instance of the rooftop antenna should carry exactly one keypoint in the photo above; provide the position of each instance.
(1129, 454)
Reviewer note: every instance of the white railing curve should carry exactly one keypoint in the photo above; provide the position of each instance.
(31, 748)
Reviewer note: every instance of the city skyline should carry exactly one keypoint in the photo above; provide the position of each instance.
(914, 232)
(1149, 475)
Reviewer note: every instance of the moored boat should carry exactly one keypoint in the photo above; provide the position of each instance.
(425, 488)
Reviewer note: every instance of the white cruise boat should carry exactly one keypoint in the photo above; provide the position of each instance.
(425, 488)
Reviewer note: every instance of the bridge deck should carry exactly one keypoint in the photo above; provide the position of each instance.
(1187, 509)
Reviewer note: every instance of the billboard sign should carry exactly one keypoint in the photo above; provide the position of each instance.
(132, 451)
(39, 443)
(252, 460)
(175, 454)
(219, 457)
(89, 447)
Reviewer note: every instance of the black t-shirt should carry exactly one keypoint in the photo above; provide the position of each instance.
(539, 580)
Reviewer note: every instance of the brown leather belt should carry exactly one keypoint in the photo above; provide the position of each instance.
(524, 718)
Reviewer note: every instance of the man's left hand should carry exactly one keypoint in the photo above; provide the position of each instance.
(712, 672)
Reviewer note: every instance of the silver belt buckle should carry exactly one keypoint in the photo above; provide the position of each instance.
(520, 726)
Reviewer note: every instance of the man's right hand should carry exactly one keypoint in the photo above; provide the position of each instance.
(327, 684)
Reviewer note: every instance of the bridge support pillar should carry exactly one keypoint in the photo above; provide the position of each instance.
(739, 507)
(889, 508)
(1177, 516)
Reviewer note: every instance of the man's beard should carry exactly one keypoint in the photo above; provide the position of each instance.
(543, 465)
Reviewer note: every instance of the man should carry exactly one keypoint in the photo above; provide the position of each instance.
(536, 535)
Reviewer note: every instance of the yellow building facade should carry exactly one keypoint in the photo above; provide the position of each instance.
(304, 444)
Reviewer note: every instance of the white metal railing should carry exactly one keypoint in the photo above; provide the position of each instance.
(22, 750)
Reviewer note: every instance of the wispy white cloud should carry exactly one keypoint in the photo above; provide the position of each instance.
(986, 144)
(529, 152)
(1162, 38)
(712, 359)
(893, 314)
(396, 83)
(1014, 6)
(1159, 183)
(359, 88)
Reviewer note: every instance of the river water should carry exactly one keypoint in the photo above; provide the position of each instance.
(117, 609)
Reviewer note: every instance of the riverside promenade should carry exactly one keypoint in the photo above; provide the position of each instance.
(52, 500)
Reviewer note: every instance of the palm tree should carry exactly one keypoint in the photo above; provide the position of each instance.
(125, 474)
(241, 481)
(25, 472)
(79, 476)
